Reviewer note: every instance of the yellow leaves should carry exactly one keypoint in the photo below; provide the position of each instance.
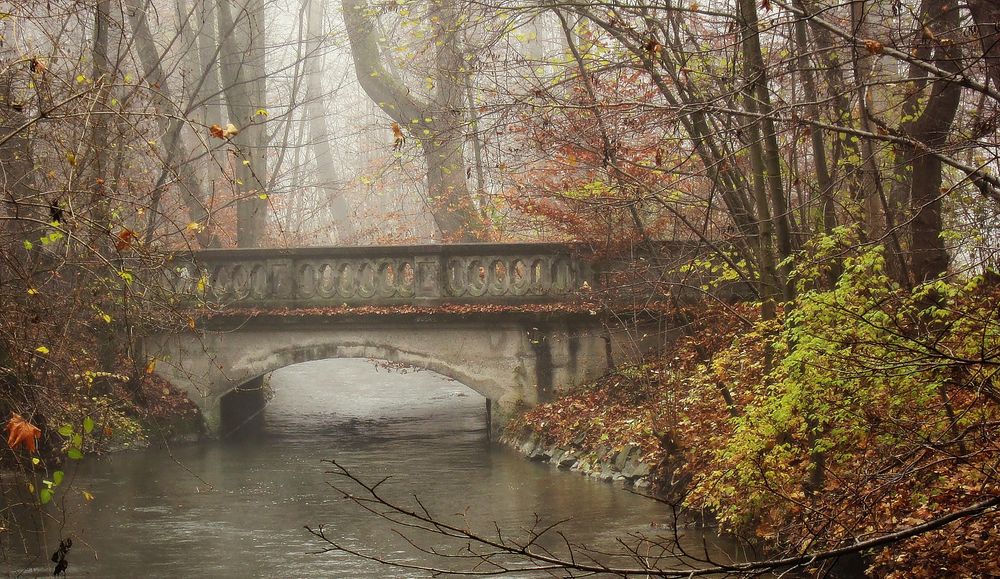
(195, 226)
(42, 350)
(150, 366)
(87, 496)
(191, 323)
(71, 158)
(32, 291)
(262, 196)
(202, 284)
(230, 131)
(21, 432)
(261, 112)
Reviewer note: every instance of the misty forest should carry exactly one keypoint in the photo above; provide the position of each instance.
(527, 288)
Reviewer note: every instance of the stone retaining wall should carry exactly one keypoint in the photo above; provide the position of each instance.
(605, 463)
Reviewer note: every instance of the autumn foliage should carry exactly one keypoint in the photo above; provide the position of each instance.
(862, 410)
(20, 432)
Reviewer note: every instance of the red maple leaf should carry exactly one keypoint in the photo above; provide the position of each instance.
(22, 432)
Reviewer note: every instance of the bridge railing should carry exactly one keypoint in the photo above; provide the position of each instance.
(382, 275)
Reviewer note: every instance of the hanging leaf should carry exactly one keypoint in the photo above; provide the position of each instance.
(45, 495)
(125, 238)
(216, 131)
(874, 46)
(21, 432)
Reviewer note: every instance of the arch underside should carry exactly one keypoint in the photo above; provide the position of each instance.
(508, 363)
(382, 352)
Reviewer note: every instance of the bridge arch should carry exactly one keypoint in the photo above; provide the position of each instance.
(509, 361)
(243, 406)
(284, 356)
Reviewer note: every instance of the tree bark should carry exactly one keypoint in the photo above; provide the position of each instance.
(318, 127)
(448, 193)
(928, 257)
(242, 68)
(986, 15)
(177, 157)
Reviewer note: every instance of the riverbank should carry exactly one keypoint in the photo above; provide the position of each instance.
(727, 424)
(106, 416)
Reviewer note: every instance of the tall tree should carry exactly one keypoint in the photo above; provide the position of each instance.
(241, 29)
(319, 129)
(437, 124)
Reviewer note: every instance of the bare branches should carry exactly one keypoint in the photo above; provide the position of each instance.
(482, 555)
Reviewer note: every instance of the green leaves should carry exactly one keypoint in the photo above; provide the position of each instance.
(75, 450)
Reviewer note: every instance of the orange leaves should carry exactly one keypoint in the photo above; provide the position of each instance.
(654, 48)
(37, 66)
(223, 133)
(874, 46)
(397, 137)
(125, 239)
(22, 432)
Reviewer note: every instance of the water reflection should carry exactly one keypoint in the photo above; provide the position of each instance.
(236, 508)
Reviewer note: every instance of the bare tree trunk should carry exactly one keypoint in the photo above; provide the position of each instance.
(824, 181)
(318, 127)
(929, 258)
(176, 156)
(986, 15)
(450, 203)
(242, 68)
(764, 150)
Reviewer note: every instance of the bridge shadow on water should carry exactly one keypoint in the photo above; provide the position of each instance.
(354, 400)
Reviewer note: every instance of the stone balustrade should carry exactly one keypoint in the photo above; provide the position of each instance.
(383, 275)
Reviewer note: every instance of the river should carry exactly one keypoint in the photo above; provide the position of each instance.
(237, 507)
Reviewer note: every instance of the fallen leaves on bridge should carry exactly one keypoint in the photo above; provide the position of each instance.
(578, 308)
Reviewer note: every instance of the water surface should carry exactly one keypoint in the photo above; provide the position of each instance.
(236, 508)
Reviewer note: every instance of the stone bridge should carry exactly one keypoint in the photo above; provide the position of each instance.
(506, 320)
